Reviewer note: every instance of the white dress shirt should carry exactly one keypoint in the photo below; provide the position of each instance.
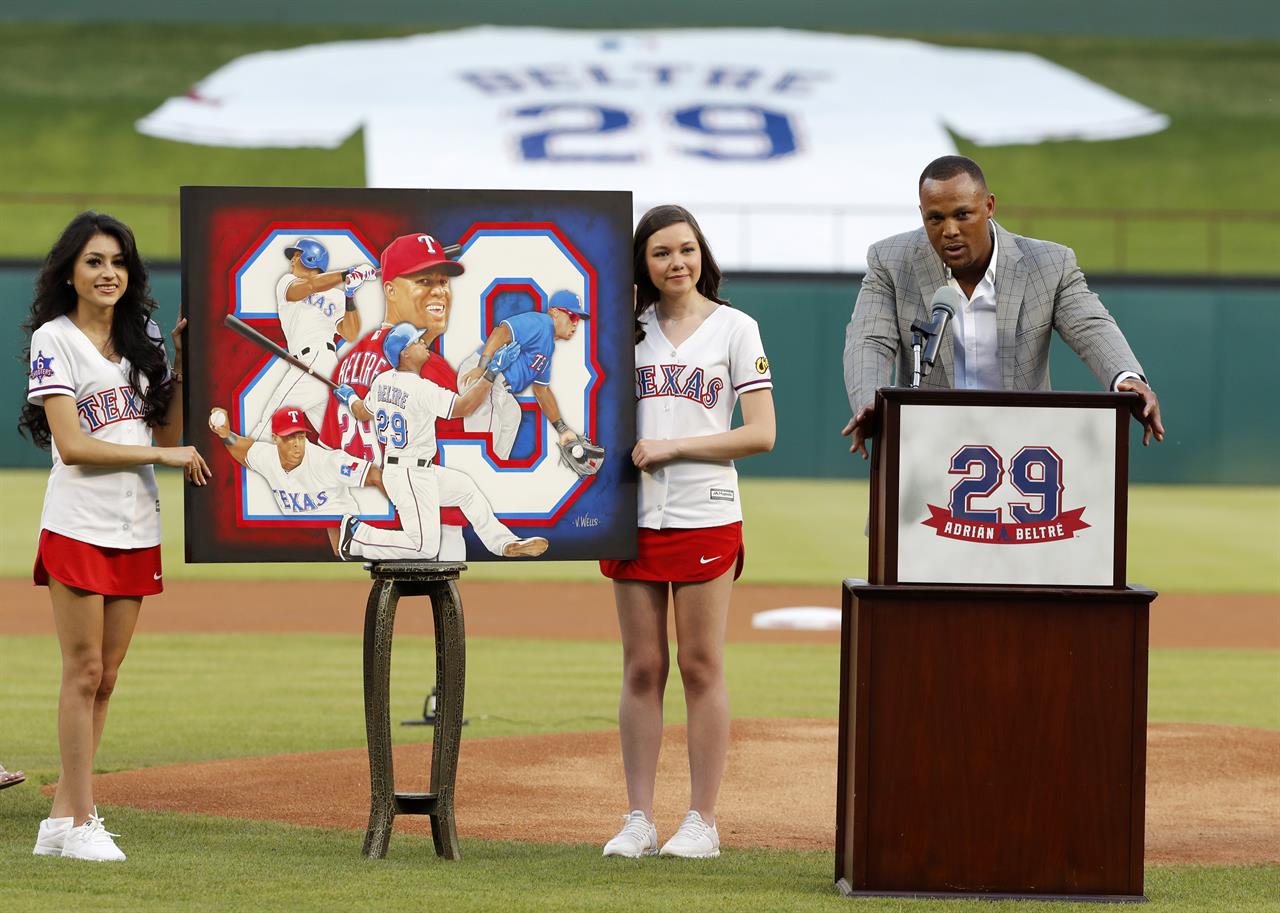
(974, 338)
(973, 332)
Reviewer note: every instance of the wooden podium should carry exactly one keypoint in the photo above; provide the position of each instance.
(993, 671)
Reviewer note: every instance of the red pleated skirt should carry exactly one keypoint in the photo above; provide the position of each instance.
(97, 569)
(682, 555)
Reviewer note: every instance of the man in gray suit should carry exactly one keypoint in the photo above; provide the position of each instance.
(1018, 289)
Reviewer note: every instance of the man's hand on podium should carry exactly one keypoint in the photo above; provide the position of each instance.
(1149, 411)
(863, 425)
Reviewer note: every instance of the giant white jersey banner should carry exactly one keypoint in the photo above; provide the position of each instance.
(796, 150)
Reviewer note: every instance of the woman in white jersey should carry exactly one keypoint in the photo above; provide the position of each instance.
(100, 388)
(695, 358)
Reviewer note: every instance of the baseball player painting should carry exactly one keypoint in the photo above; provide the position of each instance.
(403, 407)
(305, 478)
(415, 283)
(535, 334)
(314, 304)
(695, 358)
(102, 394)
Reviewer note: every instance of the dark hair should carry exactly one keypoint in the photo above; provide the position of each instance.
(54, 296)
(950, 166)
(656, 219)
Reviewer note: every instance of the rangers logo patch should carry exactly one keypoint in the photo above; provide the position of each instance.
(1035, 514)
(41, 366)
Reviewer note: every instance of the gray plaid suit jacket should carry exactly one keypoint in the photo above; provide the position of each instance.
(1039, 288)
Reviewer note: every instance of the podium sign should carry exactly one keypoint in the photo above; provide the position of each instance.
(993, 672)
(1012, 489)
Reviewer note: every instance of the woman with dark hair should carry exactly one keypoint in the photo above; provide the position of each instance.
(695, 358)
(100, 390)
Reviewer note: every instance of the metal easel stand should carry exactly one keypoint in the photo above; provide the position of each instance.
(438, 581)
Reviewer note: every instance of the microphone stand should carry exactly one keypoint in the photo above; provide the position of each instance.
(942, 312)
(917, 343)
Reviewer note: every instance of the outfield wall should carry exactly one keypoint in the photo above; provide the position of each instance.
(1183, 18)
(1202, 343)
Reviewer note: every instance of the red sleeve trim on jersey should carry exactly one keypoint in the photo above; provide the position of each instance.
(768, 382)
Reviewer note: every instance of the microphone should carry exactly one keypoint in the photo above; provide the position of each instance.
(942, 308)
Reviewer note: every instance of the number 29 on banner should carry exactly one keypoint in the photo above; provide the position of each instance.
(577, 132)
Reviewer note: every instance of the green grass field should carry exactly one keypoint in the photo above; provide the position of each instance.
(232, 695)
(196, 697)
(1182, 538)
(215, 864)
(1218, 154)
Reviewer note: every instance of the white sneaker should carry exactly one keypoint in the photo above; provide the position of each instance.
(694, 840)
(637, 838)
(92, 841)
(49, 840)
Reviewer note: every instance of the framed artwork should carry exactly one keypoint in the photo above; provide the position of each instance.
(409, 374)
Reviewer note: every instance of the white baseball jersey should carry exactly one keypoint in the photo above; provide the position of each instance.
(690, 390)
(830, 129)
(318, 485)
(311, 321)
(112, 508)
(405, 408)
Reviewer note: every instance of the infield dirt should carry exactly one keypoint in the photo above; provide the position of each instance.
(1213, 792)
(570, 611)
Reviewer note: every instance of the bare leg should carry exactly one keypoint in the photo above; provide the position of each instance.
(642, 618)
(78, 616)
(702, 610)
(120, 618)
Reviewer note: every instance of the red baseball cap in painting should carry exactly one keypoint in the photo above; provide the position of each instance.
(410, 254)
(290, 420)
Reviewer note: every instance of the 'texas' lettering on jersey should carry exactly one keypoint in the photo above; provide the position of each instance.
(320, 301)
(298, 502)
(106, 407)
(675, 382)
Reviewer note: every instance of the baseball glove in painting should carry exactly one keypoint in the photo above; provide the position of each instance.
(583, 455)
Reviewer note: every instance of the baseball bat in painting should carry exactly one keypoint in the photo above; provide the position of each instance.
(235, 323)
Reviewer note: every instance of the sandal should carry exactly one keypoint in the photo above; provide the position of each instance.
(8, 778)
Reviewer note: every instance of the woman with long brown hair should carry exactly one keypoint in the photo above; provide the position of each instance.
(100, 390)
(696, 357)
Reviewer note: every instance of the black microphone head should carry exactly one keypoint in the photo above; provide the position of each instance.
(948, 298)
